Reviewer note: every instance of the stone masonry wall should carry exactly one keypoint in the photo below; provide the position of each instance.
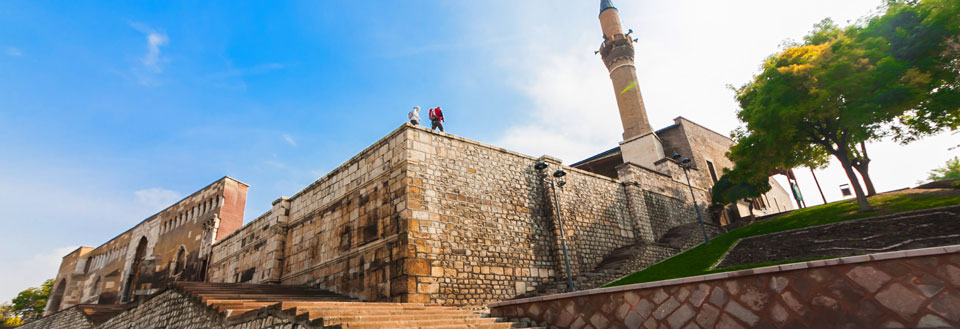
(99, 275)
(660, 201)
(345, 230)
(253, 254)
(483, 221)
(70, 318)
(904, 289)
(170, 309)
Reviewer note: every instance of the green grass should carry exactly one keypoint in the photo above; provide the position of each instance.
(699, 260)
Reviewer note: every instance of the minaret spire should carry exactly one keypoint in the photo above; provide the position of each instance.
(640, 144)
(606, 4)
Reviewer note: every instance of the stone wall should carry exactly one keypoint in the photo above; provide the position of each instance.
(345, 229)
(254, 253)
(175, 244)
(916, 289)
(168, 309)
(423, 216)
(70, 318)
(484, 225)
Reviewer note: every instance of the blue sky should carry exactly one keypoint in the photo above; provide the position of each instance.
(109, 112)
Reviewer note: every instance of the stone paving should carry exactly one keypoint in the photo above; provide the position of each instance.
(903, 289)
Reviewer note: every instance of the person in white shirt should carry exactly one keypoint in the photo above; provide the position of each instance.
(415, 115)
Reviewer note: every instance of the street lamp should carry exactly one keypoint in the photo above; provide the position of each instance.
(685, 164)
(540, 166)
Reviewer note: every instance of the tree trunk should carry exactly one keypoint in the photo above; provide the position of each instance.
(844, 157)
(863, 167)
(752, 217)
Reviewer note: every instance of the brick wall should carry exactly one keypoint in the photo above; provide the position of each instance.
(916, 289)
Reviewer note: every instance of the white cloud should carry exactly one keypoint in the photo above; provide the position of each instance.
(152, 63)
(156, 198)
(688, 52)
(683, 65)
(290, 140)
(22, 273)
(13, 51)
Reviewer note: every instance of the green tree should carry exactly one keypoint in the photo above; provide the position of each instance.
(898, 75)
(825, 95)
(31, 301)
(732, 187)
(951, 170)
(924, 57)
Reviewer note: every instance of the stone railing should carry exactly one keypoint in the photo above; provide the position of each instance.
(904, 289)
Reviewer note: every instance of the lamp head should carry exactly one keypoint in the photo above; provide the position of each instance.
(685, 160)
(540, 166)
(559, 173)
(676, 156)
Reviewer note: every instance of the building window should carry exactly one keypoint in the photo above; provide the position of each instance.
(713, 172)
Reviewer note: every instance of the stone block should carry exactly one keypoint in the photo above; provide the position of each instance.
(416, 266)
(681, 316)
(900, 299)
(947, 305)
(742, 313)
(868, 277)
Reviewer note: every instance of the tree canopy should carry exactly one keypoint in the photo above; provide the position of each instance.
(896, 75)
(31, 301)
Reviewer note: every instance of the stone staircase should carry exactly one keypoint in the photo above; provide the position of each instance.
(625, 260)
(319, 308)
(619, 263)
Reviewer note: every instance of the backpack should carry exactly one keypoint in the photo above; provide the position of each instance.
(432, 114)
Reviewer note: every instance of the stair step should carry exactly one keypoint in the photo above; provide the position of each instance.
(332, 320)
(419, 323)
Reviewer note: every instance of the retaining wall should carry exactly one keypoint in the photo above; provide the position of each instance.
(905, 289)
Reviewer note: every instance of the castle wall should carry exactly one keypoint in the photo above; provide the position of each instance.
(345, 229)
(253, 254)
(99, 275)
(68, 284)
(484, 225)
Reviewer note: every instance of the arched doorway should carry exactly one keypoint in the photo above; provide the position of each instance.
(134, 276)
(181, 262)
(57, 297)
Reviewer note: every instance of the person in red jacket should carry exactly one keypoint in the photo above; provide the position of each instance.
(436, 118)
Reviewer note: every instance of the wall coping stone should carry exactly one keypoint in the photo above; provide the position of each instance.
(503, 150)
(741, 273)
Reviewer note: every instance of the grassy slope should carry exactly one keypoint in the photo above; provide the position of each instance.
(697, 261)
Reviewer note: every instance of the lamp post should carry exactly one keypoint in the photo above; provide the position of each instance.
(685, 164)
(540, 166)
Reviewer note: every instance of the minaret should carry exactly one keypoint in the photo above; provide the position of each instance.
(640, 144)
